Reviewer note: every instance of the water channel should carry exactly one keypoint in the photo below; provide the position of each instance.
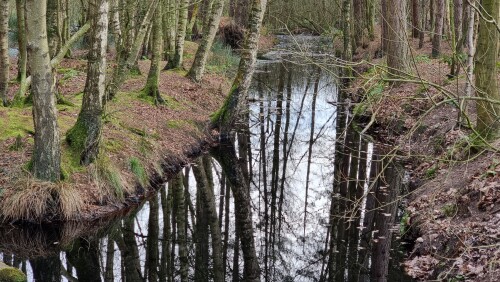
(324, 199)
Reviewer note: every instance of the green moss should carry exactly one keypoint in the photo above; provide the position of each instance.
(371, 97)
(114, 146)
(137, 168)
(15, 122)
(68, 73)
(76, 136)
(431, 172)
(422, 59)
(177, 123)
(11, 274)
(449, 210)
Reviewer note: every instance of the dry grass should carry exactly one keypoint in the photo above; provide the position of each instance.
(32, 200)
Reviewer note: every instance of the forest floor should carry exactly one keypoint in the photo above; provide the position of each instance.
(453, 209)
(142, 143)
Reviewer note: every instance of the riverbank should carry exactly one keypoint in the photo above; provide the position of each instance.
(453, 212)
(143, 144)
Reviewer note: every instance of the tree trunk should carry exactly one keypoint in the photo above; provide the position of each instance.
(423, 20)
(47, 151)
(21, 39)
(370, 16)
(169, 24)
(457, 36)
(357, 6)
(470, 50)
(384, 26)
(398, 48)
(236, 99)
(177, 60)
(53, 27)
(198, 67)
(415, 18)
(438, 29)
(151, 88)
(488, 113)
(85, 136)
(4, 50)
(128, 61)
(192, 20)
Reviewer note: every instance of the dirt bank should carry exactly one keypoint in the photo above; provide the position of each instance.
(142, 144)
(453, 210)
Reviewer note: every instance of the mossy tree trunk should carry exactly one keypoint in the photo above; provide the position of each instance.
(488, 113)
(85, 136)
(4, 50)
(151, 88)
(398, 48)
(192, 20)
(127, 59)
(177, 59)
(209, 31)
(236, 102)
(457, 36)
(46, 151)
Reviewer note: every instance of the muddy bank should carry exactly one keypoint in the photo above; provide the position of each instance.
(453, 211)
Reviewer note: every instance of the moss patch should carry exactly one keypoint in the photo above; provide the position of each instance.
(11, 274)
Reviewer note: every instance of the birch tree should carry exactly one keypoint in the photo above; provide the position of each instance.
(4, 50)
(46, 152)
(176, 61)
(200, 59)
(85, 136)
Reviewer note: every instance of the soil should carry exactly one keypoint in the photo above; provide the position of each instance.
(142, 146)
(453, 211)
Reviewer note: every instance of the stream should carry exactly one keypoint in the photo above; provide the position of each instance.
(325, 200)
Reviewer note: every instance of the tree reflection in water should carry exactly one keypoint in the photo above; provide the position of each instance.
(295, 194)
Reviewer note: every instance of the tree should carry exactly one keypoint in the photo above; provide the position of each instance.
(438, 28)
(488, 113)
(46, 160)
(85, 136)
(21, 39)
(176, 61)
(180, 214)
(4, 50)
(128, 55)
(198, 67)
(151, 88)
(398, 49)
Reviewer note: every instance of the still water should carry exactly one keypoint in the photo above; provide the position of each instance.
(324, 200)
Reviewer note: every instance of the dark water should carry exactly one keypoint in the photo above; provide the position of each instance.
(324, 201)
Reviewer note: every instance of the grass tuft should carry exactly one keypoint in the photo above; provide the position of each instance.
(138, 170)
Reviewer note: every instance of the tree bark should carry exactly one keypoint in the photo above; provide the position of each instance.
(398, 48)
(151, 88)
(198, 68)
(438, 29)
(53, 27)
(47, 151)
(457, 36)
(415, 18)
(85, 136)
(21, 38)
(177, 59)
(488, 114)
(4, 50)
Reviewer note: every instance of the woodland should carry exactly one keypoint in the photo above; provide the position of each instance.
(249, 140)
